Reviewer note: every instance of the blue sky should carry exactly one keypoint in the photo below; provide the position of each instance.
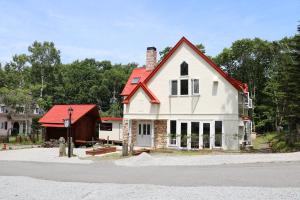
(120, 31)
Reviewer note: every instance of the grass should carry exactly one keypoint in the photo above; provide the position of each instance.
(25, 140)
(277, 142)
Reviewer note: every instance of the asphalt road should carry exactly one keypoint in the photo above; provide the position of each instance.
(285, 174)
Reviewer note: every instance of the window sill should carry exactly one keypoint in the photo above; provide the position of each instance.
(195, 95)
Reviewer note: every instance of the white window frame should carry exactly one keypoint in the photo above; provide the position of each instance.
(176, 88)
(192, 86)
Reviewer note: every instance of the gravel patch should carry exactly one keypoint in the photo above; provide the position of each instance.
(43, 155)
(145, 159)
(23, 188)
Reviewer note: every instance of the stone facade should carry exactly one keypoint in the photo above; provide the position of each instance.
(160, 133)
(125, 130)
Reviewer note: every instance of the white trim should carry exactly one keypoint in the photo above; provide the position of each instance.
(152, 134)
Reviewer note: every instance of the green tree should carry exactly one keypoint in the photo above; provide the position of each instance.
(45, 60)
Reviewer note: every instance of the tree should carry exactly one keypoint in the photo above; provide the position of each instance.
(44, 59)
(249, 60)
(290, 82)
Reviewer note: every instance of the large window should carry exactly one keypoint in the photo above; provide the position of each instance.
(174, 86)
(183, 134)
(218, 133)
(195, 86)
(173, 132)
(184, 87)
(184, 69)
(106, 126)
(195, 129)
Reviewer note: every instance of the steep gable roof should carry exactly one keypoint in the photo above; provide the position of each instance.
(143, 86)
(56, 115)
(235, 83)
(140, 73)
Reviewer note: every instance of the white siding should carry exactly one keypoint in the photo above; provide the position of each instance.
(116, 133)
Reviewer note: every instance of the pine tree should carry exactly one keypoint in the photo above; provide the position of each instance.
(291, 83)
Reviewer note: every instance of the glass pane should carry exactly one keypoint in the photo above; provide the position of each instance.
(196, 86)
(148, 129)
(206, 135)
(184, 87)
(183, 135)
(184, 69)
(218, 133)
(174, 87)
(140, 129)
(173, 132)
(195, 135)
(144, 129)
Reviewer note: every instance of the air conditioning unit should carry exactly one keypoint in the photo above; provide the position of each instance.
(250, 103)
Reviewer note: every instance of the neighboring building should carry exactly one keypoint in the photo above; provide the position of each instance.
(84, 121)
(111, 129)
(13, 121)
(185, 101)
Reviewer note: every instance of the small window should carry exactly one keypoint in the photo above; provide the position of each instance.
(2, 109)
(135, 80)
(184, 69)
(184, 87)
(5, 125)
(174, 87)
(215, 88)
(195, 86)
(106, 126)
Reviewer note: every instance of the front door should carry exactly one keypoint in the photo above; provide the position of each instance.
(206, 135)
(144, 135)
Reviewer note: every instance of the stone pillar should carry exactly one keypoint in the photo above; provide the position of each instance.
(160, 133)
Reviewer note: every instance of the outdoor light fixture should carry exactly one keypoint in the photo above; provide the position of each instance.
(69, 124)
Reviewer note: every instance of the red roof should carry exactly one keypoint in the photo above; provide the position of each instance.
(111, 119)
(235, 83)
(141, 73)
(56, 115)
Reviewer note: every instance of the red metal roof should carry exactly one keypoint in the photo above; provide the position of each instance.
(153, 98)
(111, 119)
(58, 113)
(141, 73)
(235, 83)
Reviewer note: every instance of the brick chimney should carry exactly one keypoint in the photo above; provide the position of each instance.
(151, 58)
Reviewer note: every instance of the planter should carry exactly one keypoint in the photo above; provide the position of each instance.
(138, 152)
(100, 151)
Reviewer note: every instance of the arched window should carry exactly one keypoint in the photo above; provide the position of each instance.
(184, 69)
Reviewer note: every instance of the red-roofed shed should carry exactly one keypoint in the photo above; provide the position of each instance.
(84, 122)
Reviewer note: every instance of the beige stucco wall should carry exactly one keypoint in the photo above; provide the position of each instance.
(225, 102)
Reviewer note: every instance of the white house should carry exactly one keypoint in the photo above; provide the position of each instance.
(186, 102)
(15, 122)
(111, 129)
